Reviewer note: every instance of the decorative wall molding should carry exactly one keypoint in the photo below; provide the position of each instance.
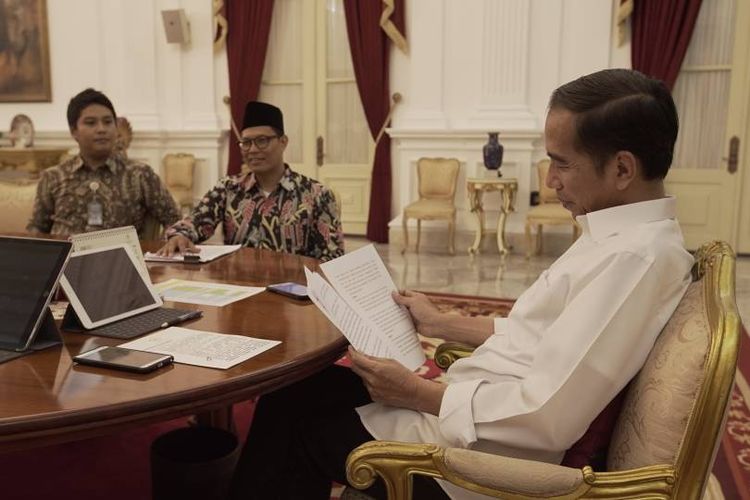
(503, 96)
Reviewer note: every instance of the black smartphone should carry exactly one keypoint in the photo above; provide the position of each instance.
(293, 290)
(121, 358)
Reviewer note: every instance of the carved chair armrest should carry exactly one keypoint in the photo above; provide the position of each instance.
(497, 476)
(448, 352)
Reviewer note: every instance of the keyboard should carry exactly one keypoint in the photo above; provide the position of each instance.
(138, 325)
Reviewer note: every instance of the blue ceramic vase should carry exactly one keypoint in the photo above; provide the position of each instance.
(493, 153)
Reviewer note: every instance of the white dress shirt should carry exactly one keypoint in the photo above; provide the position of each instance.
(571, 342)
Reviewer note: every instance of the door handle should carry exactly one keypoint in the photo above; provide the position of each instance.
(319, 151)
(734, 154)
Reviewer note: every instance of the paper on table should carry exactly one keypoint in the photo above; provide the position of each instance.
(207, 254)
(202, 293)
(361, 280)
(195, 347)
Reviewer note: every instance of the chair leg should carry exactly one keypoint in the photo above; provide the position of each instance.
(451, 237)
(538, 249)
(404, 224)
(527, 230)
(419, 233)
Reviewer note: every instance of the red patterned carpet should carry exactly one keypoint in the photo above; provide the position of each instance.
(116, 467)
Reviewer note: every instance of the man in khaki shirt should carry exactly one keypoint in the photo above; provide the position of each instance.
(98, 188)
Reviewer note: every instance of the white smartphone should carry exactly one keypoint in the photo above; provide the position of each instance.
(121, 358)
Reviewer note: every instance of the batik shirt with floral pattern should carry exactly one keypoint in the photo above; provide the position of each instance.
(300, 216)
(127, 191)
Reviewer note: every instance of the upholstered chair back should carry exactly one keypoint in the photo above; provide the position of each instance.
(546, 194)
(675, 409)
(16, 204)
(660, 399)
(178, 176)
(437, 177)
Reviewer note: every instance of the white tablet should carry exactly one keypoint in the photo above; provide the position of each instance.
(29, 270)
(104, 285)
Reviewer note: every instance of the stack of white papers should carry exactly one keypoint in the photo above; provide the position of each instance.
(358, 302)
(195, 347)
(207, 254)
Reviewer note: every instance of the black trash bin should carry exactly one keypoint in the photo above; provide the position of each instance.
(193, 463)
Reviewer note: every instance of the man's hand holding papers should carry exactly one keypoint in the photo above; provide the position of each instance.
(358, 301)
(390, 383)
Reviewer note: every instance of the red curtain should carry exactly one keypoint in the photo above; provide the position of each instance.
(370, 48)
(247, 40)
(661, 33)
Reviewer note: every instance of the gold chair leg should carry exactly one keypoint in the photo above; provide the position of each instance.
(527, 230)
(539, 235)
(404, 224)
(419, 232)
(451, 237)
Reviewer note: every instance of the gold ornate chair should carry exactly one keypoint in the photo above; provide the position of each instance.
(178, 176)
(549, 212)
(437, 178)
(667, 433)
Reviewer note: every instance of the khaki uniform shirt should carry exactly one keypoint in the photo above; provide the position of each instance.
(126, 190)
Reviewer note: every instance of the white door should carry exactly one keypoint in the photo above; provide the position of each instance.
(308, 74)
(711, 94)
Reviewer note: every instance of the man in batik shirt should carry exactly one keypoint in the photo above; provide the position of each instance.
(98, 188)
(268, 206)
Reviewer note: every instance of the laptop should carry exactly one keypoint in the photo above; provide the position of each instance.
(29, 271)
(110, 297)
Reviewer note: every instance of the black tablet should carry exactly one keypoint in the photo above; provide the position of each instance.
(29, 271)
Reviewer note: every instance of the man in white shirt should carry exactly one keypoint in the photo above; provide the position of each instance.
(570, 344)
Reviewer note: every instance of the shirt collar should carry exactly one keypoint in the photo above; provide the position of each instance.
(286, 182)
(613, 220)
(78, 163)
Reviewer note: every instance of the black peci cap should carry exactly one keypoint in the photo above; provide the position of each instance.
(259, 114)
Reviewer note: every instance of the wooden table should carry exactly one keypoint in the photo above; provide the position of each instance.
(476, 189)
(45, 399)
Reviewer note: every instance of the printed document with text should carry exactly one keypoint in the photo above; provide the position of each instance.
(358, 301)
(195, 347)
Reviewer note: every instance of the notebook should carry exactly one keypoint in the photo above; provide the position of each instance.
(110, 297)
(29, 271)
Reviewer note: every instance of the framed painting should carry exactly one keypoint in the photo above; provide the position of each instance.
(24, 51)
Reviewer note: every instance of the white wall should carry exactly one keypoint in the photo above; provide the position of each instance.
(473, 66)
(170, 93)
(480, 65)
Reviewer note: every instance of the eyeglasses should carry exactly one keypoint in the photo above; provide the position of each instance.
(261, 142)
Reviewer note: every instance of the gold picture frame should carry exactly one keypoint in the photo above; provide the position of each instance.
(24, 51)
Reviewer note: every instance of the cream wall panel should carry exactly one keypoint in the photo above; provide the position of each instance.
(171, 93)
(472, 66)
(501, 60)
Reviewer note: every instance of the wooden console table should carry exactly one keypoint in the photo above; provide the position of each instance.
(476, 189)
(29, 162)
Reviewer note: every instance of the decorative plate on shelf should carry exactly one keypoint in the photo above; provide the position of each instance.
(21, 132)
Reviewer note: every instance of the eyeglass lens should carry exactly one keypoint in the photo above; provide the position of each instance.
(261, 142)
